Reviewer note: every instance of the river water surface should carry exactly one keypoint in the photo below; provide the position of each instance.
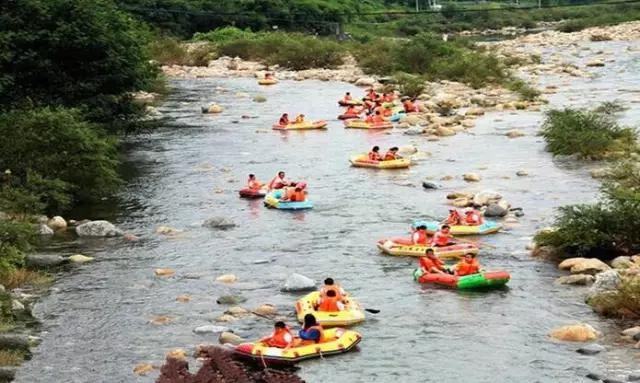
(95, 320)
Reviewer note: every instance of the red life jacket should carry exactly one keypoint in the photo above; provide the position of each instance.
(280, 338)
(297, 196)
(465, 268)
(283, 121)
(378, 119)
(429, 264)
(440, 239)
(473, 219)
(254, 185)
(373, 156)
(329, 304)
(419, 237)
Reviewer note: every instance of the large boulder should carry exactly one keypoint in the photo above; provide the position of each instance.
(589, 266)
(486, 198)
(411, 119)
(471, 177)
(576, 279)
(365, 81)
(575, 333)
(605, 281)
(57, 223)
(222, 223)
(98, 229)
(462, 202)
(228, 337)
(495, 210)
(622, 262)
(297, 282)
(44, 260)
(568, 263)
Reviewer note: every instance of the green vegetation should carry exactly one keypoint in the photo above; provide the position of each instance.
(591, 134)
(409, 85)
(526, 91)
(624, 302)
(11, 358)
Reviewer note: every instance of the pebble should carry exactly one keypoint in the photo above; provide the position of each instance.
(183, 298)
(164, 272)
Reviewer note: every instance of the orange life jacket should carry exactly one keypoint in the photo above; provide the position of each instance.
(373, 156)
(465, 268)
(351, 110)
(297, 196)
(254, 185)
(277, 183)
(386, 112)
(335, 287)
(440, 239)
(453, 218)
(347, 97)
(388, 97)
(409, 106)
(389, 156)
(378, 119)
(419, 237)
(369, 119)
(473, 219)
(283, 121)
(329, 304)
(280, 338)
(429, 264)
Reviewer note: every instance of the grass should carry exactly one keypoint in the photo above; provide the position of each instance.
(526, 91)
(11, 358)
(24, 277)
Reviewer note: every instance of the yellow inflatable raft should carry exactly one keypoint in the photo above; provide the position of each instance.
(267, 81)
(361, 124)
(351, 315)
(447, 252)
(336, 341)
(363, 161)
(320, 124)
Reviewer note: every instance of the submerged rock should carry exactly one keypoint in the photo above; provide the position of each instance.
(591, 349)
(164, 272)
(230, 299)
(576, 279)
(222, 223)
(575, 333)
(209, 329)
(227, 278)
(298, 282)
(266, 309)
(142, 369)
(429, 185)
(228, 337)
(631, 332)
(98, 229)
(184, 298)
(44, 260)
(514, 133)
(79, 258)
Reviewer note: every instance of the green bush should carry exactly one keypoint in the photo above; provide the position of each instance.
(624, 302)
(224, 35)
(526, 91)
(589, 134)
(167, 51)
(15, 238)
(56, 155)
(409, 85)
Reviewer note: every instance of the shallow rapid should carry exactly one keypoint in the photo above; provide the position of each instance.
(95, 320)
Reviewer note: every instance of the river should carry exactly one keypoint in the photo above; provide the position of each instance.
(95, 319)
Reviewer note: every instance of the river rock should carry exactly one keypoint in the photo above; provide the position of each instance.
(471, 177)
(79, 258)
(460, 194)
(575, 279)
(17, 306)
(221, 223)
(631, 332)
(443, 131)
(44, 230)
(633, 377)
(589, 266)
(142, 369)
(402, 125)
(228, 337)
(594, 376)
(7, 374)
(14, 342)
(298, 282)
(522, 173)
(608, 280)
(130, 237)
(44, 260)
(213, 108)
(98, 229)
(474, 112)
(568, 263)
(461, 202)
(365, 81)
(227, 278)
(230, 299)
(514, 133)
(184, 298)
(259, 99)
(163, 272)
(168, 231)
(595, 63)
(414, 131)
(161, 320)
(575, 333)
(411, 119)
(429, 185)
(486, 198)
(57, 223)
(622, 262)
(591, 349)
(495, 210)
(225, 318)
(610, 380)
(209, 329)
(408, 149)
(266, 309)
(177, 353)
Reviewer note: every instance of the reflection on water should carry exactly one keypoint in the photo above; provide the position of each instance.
(96, 319)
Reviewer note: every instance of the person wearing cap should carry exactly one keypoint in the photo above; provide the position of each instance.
(472, 218)
(442, 237)
(430, 263)
(454, 217)
(374, 154)
(419, 237)
(392, 154)
(467, 266)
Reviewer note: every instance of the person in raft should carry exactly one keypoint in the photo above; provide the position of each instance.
(352, 110)
(419, 237)
(467, 266)
(392, 154)
(347, 97)
(311, 331)
(442, 237)
(430, 263)
(330, 284)
(299, 118)
(374, 154)
(253, 183)
(268, 76)
(378, 119)
(409, 105)
(472, 217)
(280, 338)
(278, 182)
(297, 195)
(331, 302)
(453, 218)
(284, 120)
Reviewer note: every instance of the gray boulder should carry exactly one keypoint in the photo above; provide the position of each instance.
(297, 282)
(633, 377)
(221, 223)
(44, 230)
(495, 210)
(413, 131)
(591, 349)
(98, 229)
(605, 281)
(44, 260)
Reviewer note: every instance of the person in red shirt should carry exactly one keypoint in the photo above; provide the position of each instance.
(472, 218)
(430, 263)
(296, 196)
(409, 106)
(419, 237)
(352, 111)
(442, 237)
(374, 154)
(467, 266)
(280, 338)
(378, 119)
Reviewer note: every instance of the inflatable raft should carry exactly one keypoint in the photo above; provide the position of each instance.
(250, 193)
(361, 124)
(488, 227)
(351, 315)
(350, 102)
(348, 116)
(337, 341)
(482, 280)
(267, 81)
(272, 199)
(456, 251)
(363, 161)
(302, 125)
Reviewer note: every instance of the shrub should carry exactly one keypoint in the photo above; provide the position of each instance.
(24, 277)
(589, 134)
(572, 26)
(11, 358)
(15, 238)
(167, 51)
(409, 85)
(224, 35)
(526, 91)
(622, 302)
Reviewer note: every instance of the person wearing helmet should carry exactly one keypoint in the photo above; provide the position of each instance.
(472, 217)
(430, 263)
(467, 266)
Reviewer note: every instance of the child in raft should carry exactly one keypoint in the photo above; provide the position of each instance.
(374, 154)
(280, 338)
(330, 284)
(472, 218)
(453, 218)
(467, 266)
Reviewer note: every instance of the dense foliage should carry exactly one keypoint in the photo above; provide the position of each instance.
(14, 240)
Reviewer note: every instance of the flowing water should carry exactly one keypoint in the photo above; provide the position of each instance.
(95, 319)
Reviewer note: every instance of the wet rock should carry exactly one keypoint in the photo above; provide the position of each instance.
(544, 252)
(486, 198)
(7, 374)
(429, 185)
(44, 260)
(518, 213)
(568, 263)
(298, 282)
(622, 262)
(259, 99)
(461, 202)
(44, 230)
(365, 81)
(460, 194)
(402, 125)
(228, 337)
(142, 369)
(164, 272)
(177, 353)
(495, 210)
(411, 119)
(209, 329)
(522, 173)
(605, 281)
(598, 173)
(130, 237)
(633, 378)
(514, 133)
(213, 108)
(143, 98)
(595, 63)
(14, 342)
(594, 376)
(575, 333)
(79, 258)
(474, 112)
(468, 123)
(471, 177)
(631, 332)
(168, 231)
(57, 223)
(230, 299)
(222, 223)
(575, 279)
(443, 131)
(225, 318)
(184, 298)
(266, 309)
(589, 266)
(446, 178)
(609, 380)
(17, 306)
(98, 229)
(227, 278)
(591, 349)
(413, 131)
(161, 320)
(237, 311)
